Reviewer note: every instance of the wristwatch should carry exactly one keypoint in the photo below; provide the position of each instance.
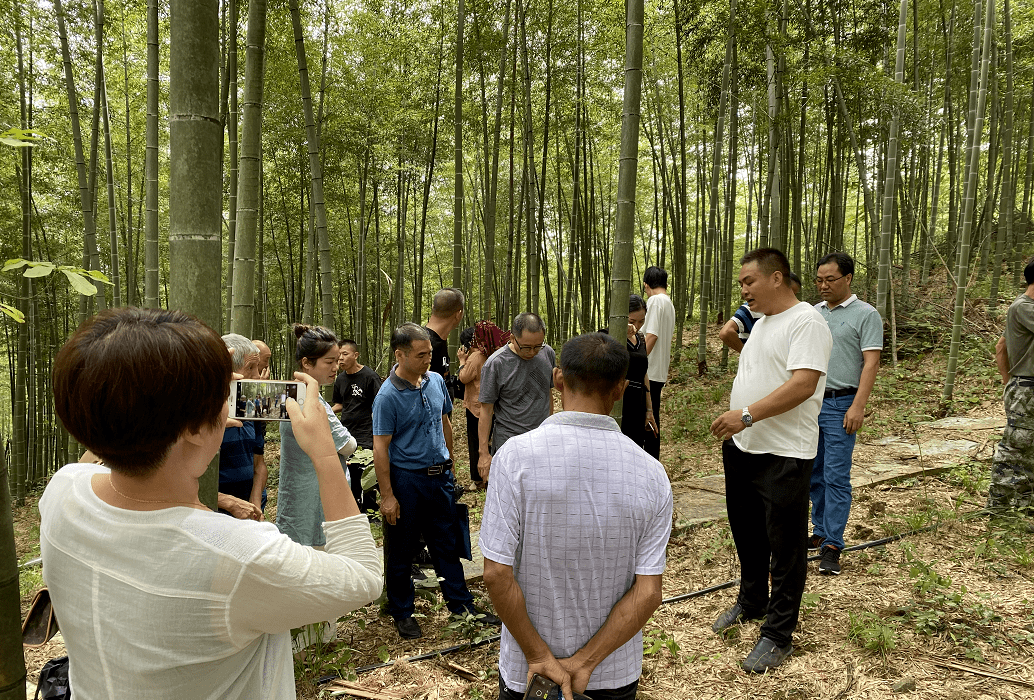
(748, 420)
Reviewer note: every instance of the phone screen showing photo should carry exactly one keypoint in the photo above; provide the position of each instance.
(256, 399)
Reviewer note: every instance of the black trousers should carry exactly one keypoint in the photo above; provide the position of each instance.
(366, 500)
(473, 446)
(767, 499)
(626, 692)
(652, 445)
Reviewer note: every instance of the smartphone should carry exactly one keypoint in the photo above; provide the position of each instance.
(542, 688)
(262, 399)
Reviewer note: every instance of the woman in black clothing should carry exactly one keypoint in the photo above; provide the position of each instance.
(636, 406)
(636, 411)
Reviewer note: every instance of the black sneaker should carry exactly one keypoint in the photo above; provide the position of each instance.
(408, 628)
(815, 543)
(830, 564)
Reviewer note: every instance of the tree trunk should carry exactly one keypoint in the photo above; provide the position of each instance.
(457, 213)
(1005, 207)
(12, 658)
(151, 165)
(195, 194)
(972, 175)
(232, 70)
(116, 298)
(621, 268)
(243, 315)
(85, 191)
(890, 185)
(712, 220)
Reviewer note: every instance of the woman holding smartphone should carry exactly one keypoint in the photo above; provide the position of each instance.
(158, 596)
(299, 512)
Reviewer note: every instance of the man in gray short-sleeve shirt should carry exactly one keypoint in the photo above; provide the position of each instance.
(857, 331)
(574, 533)
(516, 387)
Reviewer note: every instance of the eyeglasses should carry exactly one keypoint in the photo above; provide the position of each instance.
(819, 281)
(532, 348)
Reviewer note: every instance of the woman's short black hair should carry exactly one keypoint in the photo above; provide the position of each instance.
(131, 381)
(593, 363)
(635, 303)
(313, 343)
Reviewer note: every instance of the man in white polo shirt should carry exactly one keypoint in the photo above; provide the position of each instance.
(857, 341)
(576, 524)
(770, 437)
(657, 329)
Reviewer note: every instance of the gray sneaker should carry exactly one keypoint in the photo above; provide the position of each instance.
(765, 656)
(732, 616)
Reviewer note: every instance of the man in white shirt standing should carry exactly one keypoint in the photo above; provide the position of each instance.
(770, 436)
(576, 524)
(658, 329)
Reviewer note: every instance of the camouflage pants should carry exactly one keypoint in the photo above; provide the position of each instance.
(1012, 468)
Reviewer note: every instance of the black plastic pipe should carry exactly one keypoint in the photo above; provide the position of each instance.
(666, 601)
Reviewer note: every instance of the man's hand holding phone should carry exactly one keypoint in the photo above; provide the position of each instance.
(545, 674)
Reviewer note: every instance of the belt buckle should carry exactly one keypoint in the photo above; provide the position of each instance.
(435, 469)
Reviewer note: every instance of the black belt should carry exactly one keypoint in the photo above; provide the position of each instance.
(434, 469)
(834, 393)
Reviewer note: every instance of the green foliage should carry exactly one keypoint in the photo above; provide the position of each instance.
(468, 626)
(20, 138)
(77, 277)
(721, 541)
(322, 658)
(949, 612)
(870, 632)
(657, 639)
(810, 601)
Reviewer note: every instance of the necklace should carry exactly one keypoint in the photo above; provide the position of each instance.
(142, 500)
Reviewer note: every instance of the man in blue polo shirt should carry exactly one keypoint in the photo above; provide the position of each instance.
(857, 341)
(412, 455)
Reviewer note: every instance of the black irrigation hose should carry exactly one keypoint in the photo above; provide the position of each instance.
(673, 599)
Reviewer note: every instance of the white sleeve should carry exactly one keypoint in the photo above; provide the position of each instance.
(287, 585)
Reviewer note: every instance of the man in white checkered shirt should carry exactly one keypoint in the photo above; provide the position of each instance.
(576, 524)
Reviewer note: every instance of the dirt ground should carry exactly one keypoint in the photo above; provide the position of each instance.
(947, 612)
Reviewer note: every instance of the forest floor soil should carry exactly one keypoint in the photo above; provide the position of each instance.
(947, 611)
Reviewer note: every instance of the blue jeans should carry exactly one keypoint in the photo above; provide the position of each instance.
(831, 474)
(427, 507)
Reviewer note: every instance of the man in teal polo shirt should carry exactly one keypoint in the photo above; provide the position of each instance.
(412, 455)
(857, 341)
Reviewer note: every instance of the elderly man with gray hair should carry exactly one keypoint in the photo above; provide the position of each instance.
(516, 388)
(242, 464)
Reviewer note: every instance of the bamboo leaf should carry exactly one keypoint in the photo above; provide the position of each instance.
(14, 264)
(39, 269)
(80, 283)
(12, 312)
(98, 275)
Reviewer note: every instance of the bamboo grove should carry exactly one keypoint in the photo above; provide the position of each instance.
(371, 152)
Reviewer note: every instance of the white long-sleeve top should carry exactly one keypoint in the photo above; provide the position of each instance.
(183, 603)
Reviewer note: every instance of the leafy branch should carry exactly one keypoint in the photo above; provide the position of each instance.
(77, 277)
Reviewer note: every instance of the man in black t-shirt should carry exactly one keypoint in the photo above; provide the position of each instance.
(446, 315)
(354, 391)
